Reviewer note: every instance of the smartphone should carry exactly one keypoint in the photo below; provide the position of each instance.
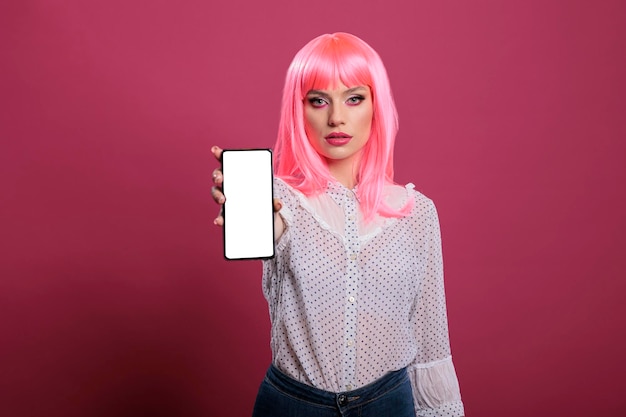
(248, 211)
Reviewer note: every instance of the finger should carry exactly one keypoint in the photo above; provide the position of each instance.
(217, 195)
(217, 177)
(219, 220)
(277, 204)
(217, 152)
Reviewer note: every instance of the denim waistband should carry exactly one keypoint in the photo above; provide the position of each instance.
(359, 396)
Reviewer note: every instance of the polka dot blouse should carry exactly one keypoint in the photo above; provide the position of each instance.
(350, 301)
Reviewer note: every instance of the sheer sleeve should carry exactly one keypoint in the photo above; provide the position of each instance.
(281, 192)
(273, 269)
(435, 386)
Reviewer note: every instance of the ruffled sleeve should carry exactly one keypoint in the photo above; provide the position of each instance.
(435, 385)
(436, 389)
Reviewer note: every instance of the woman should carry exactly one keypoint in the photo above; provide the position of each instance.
(355, 291)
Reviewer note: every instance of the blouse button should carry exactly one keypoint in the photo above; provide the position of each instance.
(351, 218)
(350, 342)
(351, 299)
(353, 257)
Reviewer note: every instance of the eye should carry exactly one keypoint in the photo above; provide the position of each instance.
(317, 101)
(355, 100)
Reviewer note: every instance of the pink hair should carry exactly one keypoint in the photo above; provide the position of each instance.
(320, 64)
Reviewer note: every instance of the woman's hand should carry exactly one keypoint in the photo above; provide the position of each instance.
(218, 196)
(216, 190)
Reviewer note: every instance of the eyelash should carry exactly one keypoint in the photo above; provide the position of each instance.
(320, 102)
(317, 101)
(358, 98)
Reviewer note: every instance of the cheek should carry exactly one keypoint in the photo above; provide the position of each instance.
(311, 126)
(366, 121)
(308, 118)
(311, 134)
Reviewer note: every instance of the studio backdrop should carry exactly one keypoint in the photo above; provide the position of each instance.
(115, 298)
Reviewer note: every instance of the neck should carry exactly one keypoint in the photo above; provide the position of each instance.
(345, 171)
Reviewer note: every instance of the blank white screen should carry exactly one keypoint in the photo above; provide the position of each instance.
(248, 212)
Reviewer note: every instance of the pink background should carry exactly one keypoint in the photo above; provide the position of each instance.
(114, 296)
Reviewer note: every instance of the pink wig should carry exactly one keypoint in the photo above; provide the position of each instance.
(320, 65)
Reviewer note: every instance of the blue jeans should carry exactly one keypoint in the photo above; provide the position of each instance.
(281, 396)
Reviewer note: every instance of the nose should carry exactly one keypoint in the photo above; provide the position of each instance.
(335, 115)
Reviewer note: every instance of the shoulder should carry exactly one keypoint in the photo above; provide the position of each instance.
(397, 195)
(424, 212)
(282, 189)
(286, 193)
(422, 202)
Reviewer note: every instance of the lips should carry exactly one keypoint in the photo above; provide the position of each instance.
(337, 138)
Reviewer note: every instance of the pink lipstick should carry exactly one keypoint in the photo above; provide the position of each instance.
(338, 138)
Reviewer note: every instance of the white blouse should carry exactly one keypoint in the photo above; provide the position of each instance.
(350, 301)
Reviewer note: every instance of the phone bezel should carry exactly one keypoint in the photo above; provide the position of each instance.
(225, 211)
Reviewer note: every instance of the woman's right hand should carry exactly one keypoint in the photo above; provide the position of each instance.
(218, 196)
(216, 190)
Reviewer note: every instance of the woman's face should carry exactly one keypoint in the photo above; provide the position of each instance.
(338, 122)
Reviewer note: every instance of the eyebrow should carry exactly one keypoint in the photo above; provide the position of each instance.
(348, 91)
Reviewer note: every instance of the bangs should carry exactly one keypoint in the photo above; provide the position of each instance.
(332, 63)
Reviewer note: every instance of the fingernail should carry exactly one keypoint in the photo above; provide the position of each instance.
(221, 200)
